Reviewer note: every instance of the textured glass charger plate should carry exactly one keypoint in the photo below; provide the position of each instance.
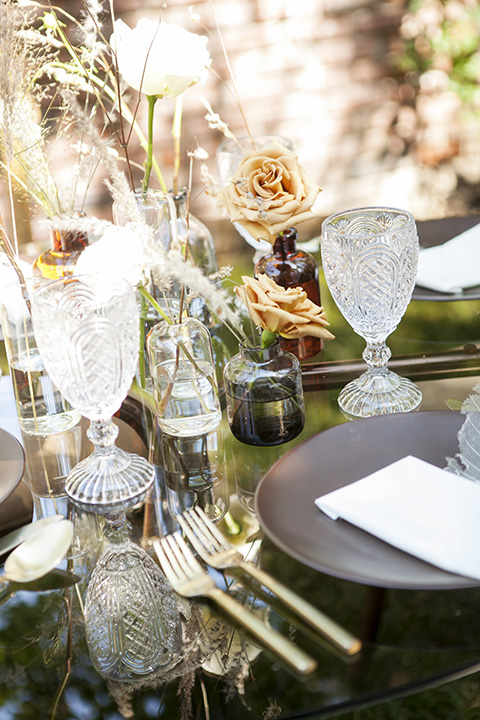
(285, 497)
(12, 464)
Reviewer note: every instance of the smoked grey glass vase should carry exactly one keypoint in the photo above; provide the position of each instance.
(264, 395)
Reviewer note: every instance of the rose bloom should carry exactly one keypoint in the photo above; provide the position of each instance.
(269, 192)
(159, 58)
(286, 311)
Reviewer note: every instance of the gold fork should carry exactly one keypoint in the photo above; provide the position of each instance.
(214, 549)
(188, 578)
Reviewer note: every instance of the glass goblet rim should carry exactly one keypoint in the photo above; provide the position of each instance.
(40, 285)
(262, 138)
(329, 225)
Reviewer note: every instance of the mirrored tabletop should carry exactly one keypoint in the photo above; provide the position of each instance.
(416, 634)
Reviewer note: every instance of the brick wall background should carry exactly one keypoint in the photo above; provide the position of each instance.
(311, 70)
(321, 72)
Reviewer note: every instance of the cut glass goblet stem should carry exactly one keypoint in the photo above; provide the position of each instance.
(378, 391)
(110, 480)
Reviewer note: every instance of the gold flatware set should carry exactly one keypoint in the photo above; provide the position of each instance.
(190, 579)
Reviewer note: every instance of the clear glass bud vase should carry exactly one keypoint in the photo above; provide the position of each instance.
(184, 380)
(201, 248)
(200, 251)
(157, 210)
(264, 395)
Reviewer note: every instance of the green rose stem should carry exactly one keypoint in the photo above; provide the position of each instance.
(127, 114)
(176, 134)
(152, 99)
(268, 338)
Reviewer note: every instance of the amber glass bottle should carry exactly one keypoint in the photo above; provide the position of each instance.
(290, 267)
(61, 258)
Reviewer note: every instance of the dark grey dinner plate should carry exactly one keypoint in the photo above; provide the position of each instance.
(12, 464)
(285, 506)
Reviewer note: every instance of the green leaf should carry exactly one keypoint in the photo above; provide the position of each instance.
(453, 404)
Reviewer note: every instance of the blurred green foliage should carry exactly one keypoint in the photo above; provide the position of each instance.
(442, 36)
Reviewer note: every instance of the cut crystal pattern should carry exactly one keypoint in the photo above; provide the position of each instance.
(132, 623)
(370, 259)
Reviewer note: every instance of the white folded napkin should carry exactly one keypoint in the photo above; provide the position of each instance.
(427, 512)
(453, 266)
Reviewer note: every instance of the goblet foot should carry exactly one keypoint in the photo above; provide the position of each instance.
(108, 483)
(379, 393)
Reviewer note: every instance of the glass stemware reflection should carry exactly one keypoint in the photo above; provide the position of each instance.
(86, 328)
(132, 624)
(195, 474)
(370, 259)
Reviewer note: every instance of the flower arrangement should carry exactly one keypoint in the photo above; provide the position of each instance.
(160, 60)
(88, 78)
(92, 78)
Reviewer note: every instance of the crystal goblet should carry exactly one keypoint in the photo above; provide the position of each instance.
(86, 328)
(370, 259)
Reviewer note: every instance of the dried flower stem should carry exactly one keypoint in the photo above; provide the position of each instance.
(231, 75)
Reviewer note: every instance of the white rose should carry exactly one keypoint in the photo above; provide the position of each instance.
(119, 251)
(159, 58)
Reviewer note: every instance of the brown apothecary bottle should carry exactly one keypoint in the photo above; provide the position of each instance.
(61, 258)
(290, 267)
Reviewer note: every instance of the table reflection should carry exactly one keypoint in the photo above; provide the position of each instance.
(413, 639)
(193, 472)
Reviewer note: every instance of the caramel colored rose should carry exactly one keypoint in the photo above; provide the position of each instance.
(286, 311)
(269, 192)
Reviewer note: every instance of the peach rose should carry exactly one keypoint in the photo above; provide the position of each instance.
(269, 192)
(286, 311)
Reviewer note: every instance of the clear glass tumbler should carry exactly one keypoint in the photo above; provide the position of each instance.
(41, 408)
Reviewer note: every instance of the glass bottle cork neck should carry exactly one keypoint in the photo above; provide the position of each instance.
(286, 242)
(71, 241)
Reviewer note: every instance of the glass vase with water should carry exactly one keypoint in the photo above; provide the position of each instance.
(184, 380)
